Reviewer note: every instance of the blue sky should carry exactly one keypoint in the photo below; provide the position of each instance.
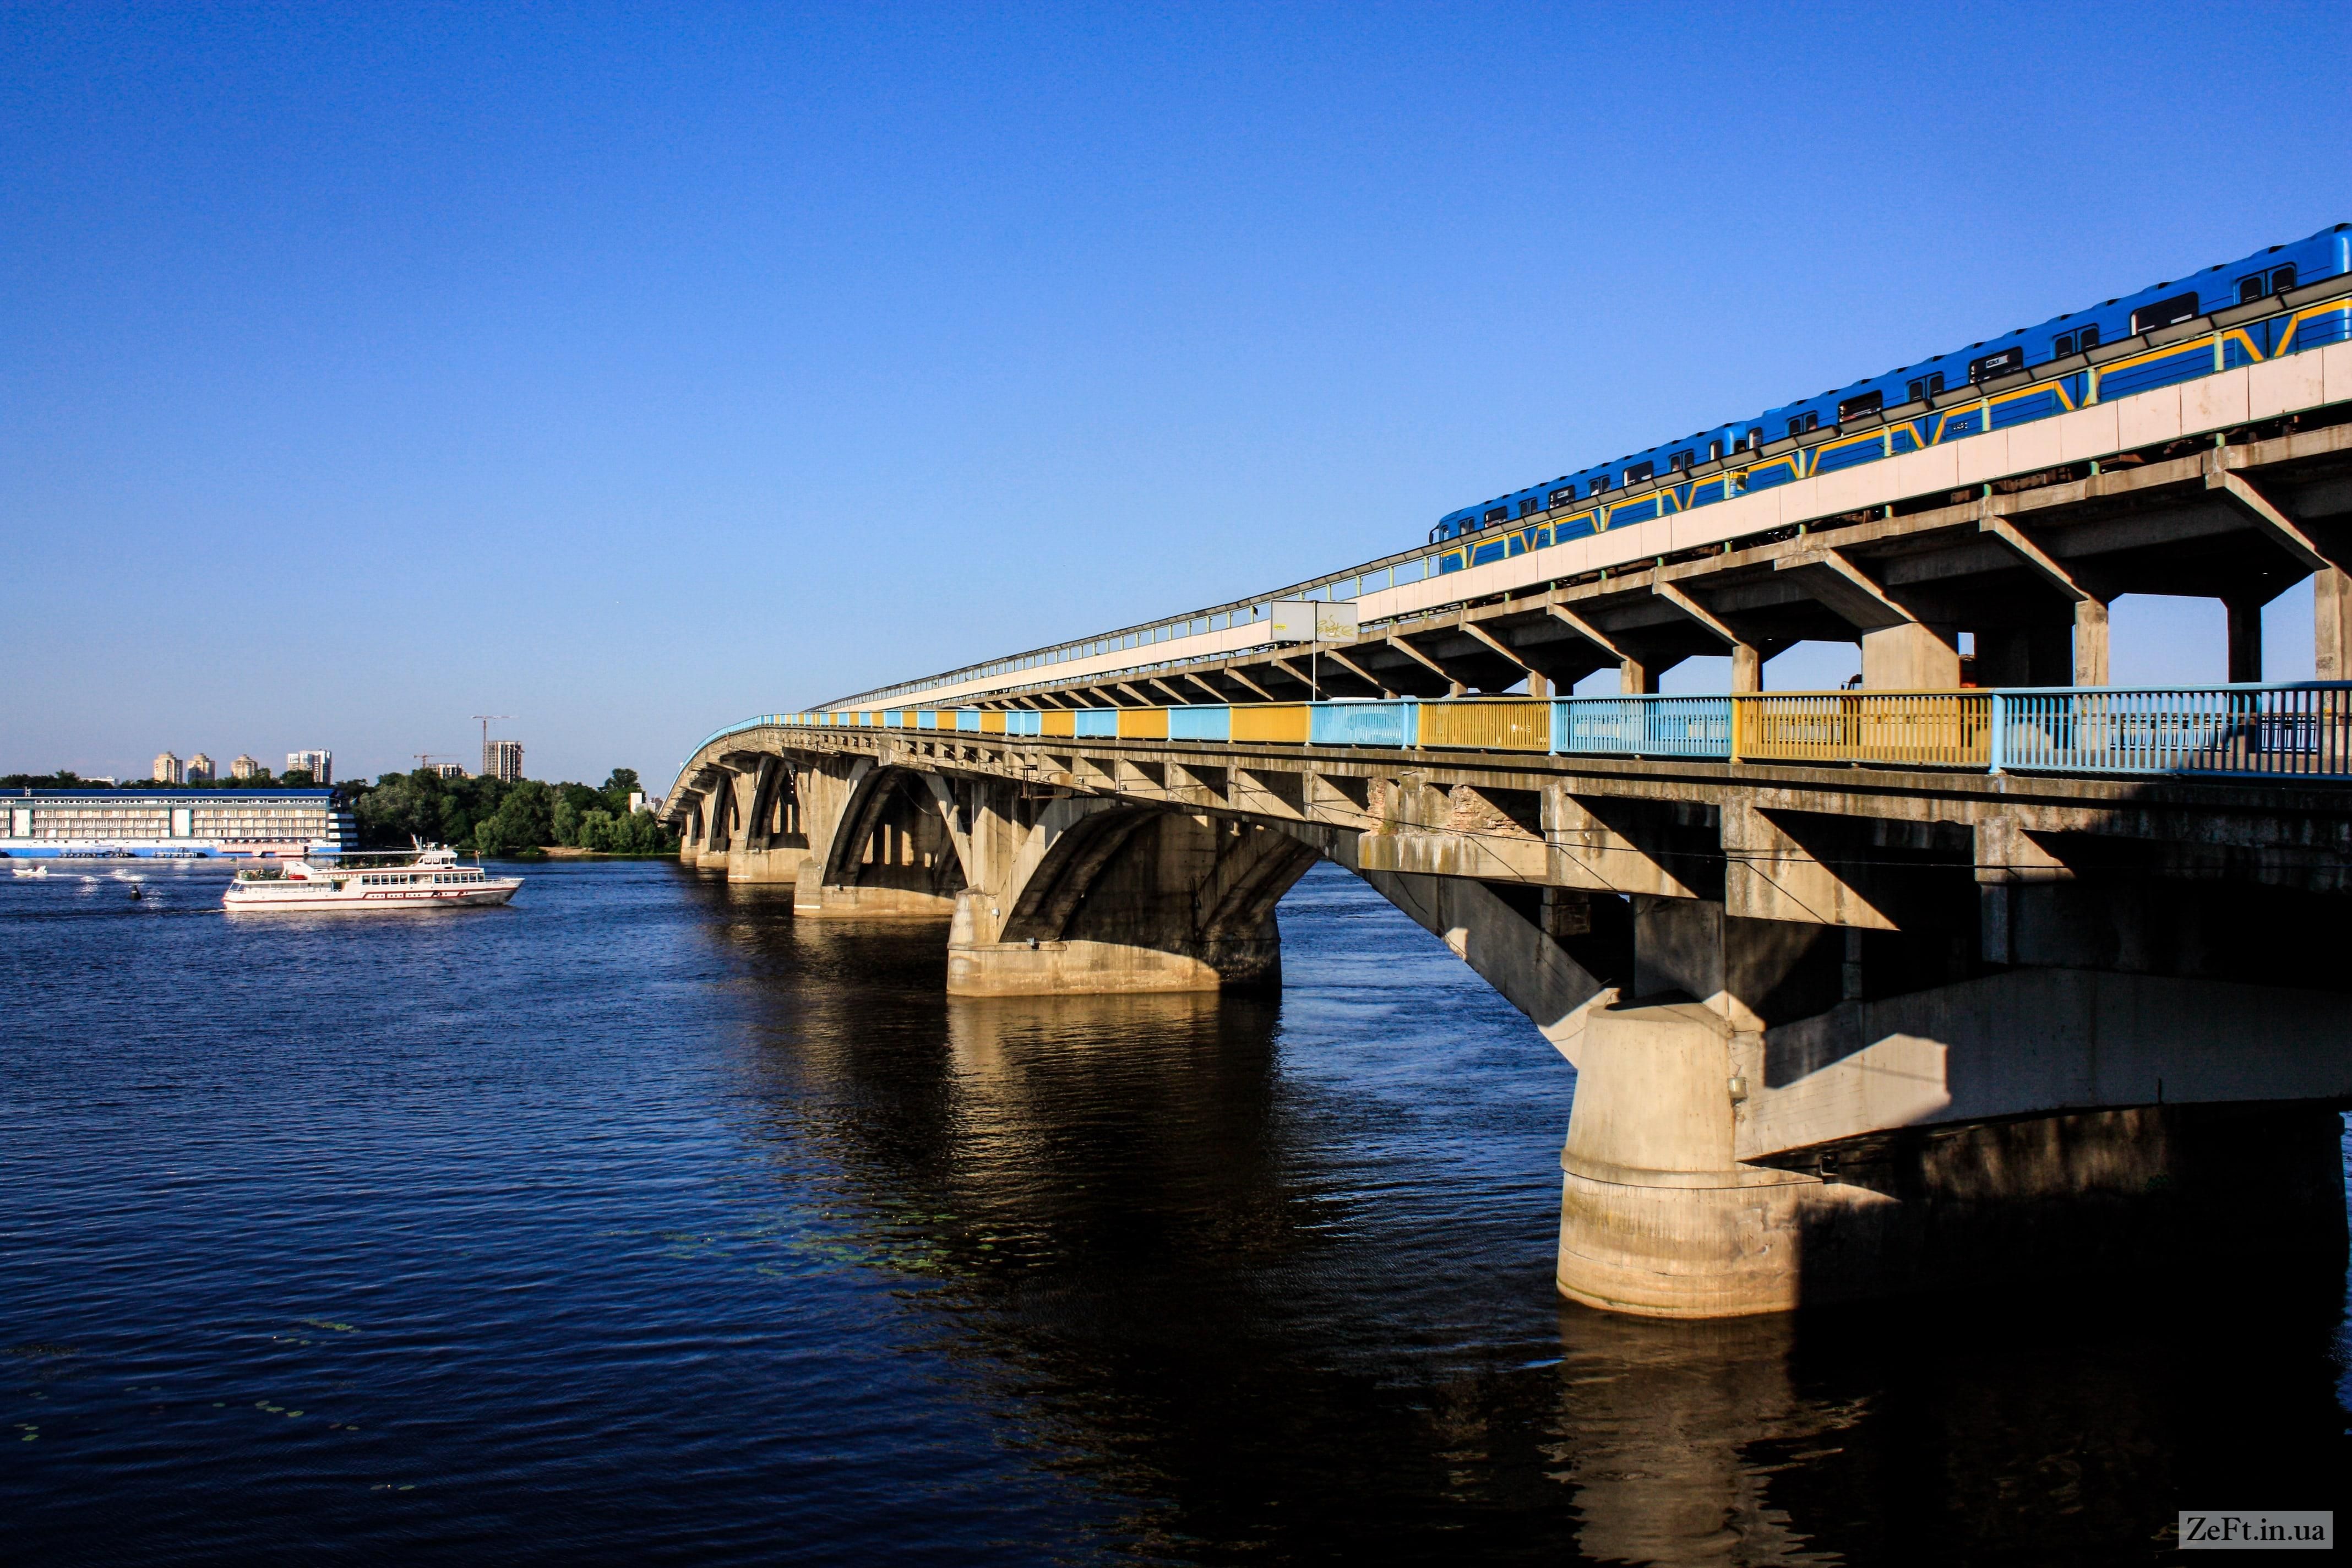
(634, 370)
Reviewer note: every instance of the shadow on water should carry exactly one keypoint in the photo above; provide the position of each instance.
(1274, 1279)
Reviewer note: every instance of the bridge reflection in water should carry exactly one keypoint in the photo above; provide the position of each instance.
(1269, 1275)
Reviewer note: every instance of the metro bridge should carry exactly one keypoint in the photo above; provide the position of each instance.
(1986, 970)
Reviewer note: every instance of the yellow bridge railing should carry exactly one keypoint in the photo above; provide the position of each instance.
(1906, 728)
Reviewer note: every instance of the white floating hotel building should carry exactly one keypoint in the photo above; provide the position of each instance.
(173, 824)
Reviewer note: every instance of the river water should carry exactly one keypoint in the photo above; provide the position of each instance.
(642, 1223)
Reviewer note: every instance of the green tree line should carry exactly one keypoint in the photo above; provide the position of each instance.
(495, 819)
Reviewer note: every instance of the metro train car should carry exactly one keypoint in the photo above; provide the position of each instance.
(2104, 352)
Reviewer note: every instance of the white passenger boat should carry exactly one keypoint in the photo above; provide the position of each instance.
(428, 878)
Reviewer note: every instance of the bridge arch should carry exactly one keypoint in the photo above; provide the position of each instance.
(1077, 893)
(886, 847)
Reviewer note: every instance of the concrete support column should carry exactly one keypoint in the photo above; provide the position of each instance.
(1537, 686)
(1096, 899)
(1723, 1161)
(879, 846)
(2091, 642)
(762, 852)
(1635, 678)
(2245, 639)
(1911, 656)
(742, 793)
(717, 835)
(1747, 668)
(1657, 1215)
(2331, 602)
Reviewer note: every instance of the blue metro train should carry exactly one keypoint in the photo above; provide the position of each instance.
(1956, 395)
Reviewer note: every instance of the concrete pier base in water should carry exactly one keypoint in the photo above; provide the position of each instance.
(778, 867)
(1097, 968)
(817, 900)
(1657, 1219)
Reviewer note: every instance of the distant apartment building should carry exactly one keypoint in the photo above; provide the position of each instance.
(168, 769)
(502, 760)
(448, 769)
(320, 766)
(199, 770)
(640, 801)
(245, 767)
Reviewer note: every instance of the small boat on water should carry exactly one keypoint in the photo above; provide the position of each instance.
(427, 878)
(28, 870)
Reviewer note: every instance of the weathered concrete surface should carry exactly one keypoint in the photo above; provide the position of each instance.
(1656, 1216)
(821, 901)
(1096, 897)
(2031, 1040)
(1661, 1215)
(776, 866)
(1097, 968)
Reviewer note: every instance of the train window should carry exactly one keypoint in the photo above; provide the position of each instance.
(1639, 471)
(1862, 403)
(2252, 287)
(2283, 280)
(1713, 450)
(1599, 484)
(1560, 497)
(1498, 514)
(2061, 345)
(1529, 508)
(2086, 340)
(1679, 461)
(2164, 312)
(1755, 439)
(1796, 428)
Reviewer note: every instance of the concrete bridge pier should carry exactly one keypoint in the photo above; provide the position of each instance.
(1658, 1216)
(879, 846)
(770, 846)
(1073, 895)
(741, 816)
(1720, 1163)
